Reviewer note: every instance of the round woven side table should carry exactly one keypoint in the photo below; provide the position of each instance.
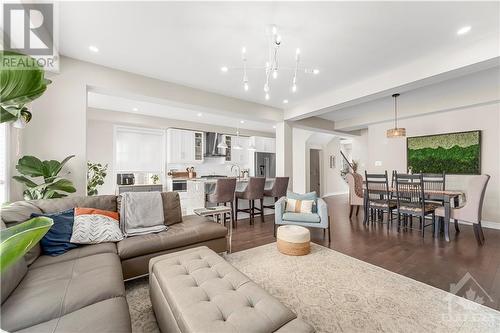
(293, 240)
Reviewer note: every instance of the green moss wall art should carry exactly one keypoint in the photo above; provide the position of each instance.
(453, 153)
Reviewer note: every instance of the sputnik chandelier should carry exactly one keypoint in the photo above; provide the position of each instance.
(272, 66)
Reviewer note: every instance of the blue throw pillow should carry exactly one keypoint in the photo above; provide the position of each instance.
(306, 196)
(57, 240)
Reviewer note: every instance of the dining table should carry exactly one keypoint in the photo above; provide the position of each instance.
(449, 197)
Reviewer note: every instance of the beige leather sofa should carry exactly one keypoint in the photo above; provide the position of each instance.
(83, 290)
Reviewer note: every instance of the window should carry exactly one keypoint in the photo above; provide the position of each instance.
(4, 162)
(139, 150)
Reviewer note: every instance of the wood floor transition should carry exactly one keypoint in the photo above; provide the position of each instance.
(428, 260)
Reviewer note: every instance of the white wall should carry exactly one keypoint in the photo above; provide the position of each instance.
(333, 181)
(392, 152)
(100, 150)
(300, 160)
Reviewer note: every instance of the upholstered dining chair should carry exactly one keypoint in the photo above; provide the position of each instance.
(355, 182)
(319, 217)
(223, 194)
(471, 211)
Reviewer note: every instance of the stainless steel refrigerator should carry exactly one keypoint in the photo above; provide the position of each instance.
(265, 165)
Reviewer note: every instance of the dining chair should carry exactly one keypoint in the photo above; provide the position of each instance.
(223, 194)
(410, 199)
(355, 182)
(434, 182)
(472, 209)
(379, 196)
(253, 191)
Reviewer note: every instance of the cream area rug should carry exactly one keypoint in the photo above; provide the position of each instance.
(338, 293)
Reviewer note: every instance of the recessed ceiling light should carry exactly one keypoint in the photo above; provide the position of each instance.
(285, 101)
(463, 30)
(224, 69)
(242, 121)
(199, 114)
(274, 126)
(315, 71)
(135, 109)
(93, 48)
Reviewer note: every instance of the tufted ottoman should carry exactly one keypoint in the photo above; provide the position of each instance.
(196, 290)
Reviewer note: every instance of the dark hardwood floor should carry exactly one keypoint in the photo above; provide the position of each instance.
(428, 260)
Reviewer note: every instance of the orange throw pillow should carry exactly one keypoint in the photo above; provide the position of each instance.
(89, 211)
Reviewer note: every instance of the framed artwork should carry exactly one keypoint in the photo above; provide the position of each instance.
(453, 153)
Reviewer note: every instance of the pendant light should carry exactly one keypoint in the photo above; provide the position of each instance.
(396, 132)
(237, 146)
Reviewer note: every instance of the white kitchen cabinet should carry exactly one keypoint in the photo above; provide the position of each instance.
(264, 145)
(184, 146)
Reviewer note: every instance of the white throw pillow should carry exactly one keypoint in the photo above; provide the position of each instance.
(94, 229)
(299, 206)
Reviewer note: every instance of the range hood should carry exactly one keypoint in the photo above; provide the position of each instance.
(212, 140)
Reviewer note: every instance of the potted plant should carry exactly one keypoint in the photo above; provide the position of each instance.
(96, 173)
(52, 185)
(17, 240)
(21, 84)
(155, 179)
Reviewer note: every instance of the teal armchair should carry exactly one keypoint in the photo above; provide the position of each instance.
(318, 219)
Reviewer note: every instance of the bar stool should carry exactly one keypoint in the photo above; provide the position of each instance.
(224, 193)
(278, 190)
(253, 191)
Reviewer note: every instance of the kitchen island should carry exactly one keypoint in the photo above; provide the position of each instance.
(196, 190)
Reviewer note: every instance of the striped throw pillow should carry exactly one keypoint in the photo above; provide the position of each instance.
(299, 206)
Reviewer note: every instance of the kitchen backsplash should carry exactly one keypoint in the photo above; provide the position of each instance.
(211, 166)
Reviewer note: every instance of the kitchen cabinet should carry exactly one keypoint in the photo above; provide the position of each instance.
(184, 146)
(264, 145)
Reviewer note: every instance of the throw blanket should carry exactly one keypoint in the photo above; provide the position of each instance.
(141, 213)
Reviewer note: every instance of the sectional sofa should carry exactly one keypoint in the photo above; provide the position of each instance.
(83, 289)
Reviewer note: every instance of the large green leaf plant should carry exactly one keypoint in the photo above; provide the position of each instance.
(52, 186)
(16, 241)
(22, 81)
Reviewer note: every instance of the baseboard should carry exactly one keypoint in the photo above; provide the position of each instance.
(333, 193)
(486, 224)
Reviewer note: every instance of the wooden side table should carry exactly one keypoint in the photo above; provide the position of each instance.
(218, 213)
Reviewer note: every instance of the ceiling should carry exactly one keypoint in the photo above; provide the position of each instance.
(122, 104)
(188, 42)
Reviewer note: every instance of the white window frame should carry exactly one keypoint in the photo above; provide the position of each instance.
(157, 131)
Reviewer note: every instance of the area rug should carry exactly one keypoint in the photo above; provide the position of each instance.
(338, 293)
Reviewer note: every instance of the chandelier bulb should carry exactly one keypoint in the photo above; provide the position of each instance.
(294, 88)
(275, 74)
(267, 97)
(245, 86)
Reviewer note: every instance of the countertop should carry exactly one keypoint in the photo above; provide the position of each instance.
(214, 180)
(139, 185)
